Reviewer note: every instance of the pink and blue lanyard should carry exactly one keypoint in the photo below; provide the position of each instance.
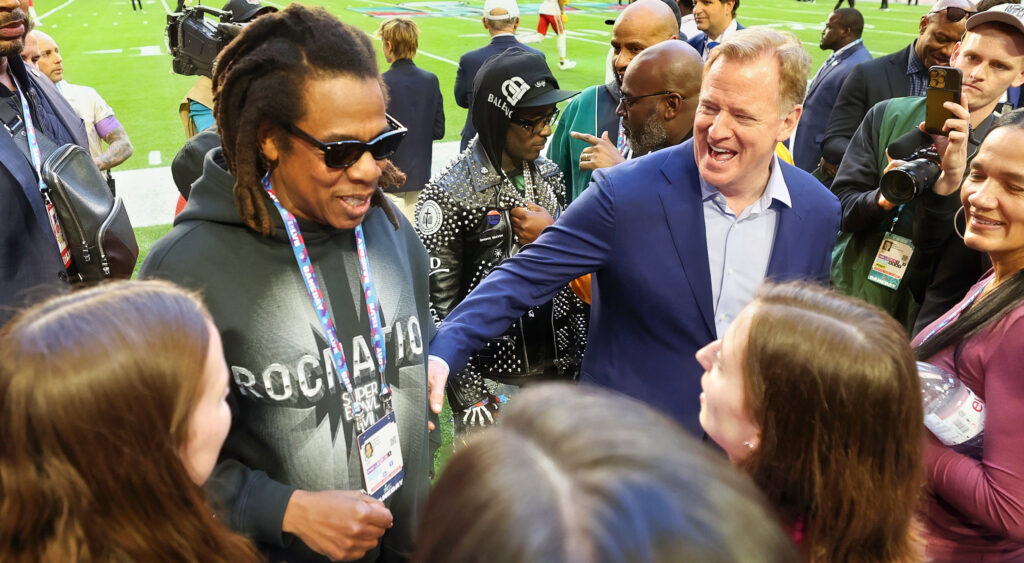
(954, 316)
(316, 295)
(37, 163)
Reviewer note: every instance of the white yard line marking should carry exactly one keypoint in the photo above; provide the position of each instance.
(57, 9)
(437, 57)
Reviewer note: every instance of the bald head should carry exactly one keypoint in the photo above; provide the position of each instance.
(641, 24)
(661, 88)
(30, 54)
(50, 62)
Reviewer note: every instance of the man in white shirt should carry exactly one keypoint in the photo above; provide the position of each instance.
(100, 122)
(552, 14)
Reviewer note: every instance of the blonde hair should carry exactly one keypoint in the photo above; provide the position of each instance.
(403, 34)
(752, 43)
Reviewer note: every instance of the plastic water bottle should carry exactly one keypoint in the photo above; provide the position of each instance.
(952, 411)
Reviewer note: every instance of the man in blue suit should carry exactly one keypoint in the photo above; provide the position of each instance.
(842, 36)
(678, 240)
(30, 264)
(501, 19)
(716, 19)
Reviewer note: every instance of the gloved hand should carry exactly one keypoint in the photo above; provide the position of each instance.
(484, 412)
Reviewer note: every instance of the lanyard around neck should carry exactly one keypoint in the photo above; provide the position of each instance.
(316, 296)
(30, 132)
(954, 316)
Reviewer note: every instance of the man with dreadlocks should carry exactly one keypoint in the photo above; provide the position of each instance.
(319, 291)
(494, 197)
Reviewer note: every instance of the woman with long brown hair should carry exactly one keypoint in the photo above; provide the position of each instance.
(975, 507)
(816, 397)
(112, 414)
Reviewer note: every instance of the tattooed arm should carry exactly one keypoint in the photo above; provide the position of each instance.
(118, 151)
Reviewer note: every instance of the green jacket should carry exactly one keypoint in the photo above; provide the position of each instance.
(592, 112)
(864, 223)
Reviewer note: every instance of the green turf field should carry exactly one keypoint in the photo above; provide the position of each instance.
(123, 55)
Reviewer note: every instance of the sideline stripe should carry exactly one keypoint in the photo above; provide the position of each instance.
(436, 57)
(57, 9)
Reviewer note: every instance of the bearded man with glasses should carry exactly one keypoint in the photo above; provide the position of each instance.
(491, 200)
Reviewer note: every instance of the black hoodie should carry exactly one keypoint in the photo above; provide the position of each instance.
(291, 427)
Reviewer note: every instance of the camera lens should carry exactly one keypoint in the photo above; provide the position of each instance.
(904, 183)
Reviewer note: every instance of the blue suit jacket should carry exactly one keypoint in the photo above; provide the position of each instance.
(640, 228)
(698, 41)
(416, 103)
(821, 97)
(30, 261)
(469, 64)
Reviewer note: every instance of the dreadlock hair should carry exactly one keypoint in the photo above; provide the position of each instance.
(1003, 299)
(258, 78)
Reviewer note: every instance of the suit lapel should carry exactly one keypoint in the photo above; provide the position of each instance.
(684, 215)
(17, 165)
(789, 233)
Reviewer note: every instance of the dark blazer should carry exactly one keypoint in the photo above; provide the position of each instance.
(1014, 97)
(868, 83)
(469, 64)
(821, 97)
(30, 262)
(698, 41)
(416, 103)
(652, 299)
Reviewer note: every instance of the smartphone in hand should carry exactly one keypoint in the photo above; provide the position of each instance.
(944, 84)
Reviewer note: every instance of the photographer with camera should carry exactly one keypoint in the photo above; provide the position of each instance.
(923, 268)
(196, 109)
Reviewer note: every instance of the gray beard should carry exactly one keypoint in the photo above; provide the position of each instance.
(653, 136)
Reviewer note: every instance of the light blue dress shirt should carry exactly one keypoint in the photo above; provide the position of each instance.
(739, 248)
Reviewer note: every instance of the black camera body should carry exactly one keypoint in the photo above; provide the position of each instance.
(195, 41)
(920, 172)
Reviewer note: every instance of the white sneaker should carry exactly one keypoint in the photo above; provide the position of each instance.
(532, 38)
(566, 64)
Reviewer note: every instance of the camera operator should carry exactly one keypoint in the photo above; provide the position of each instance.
(923, 268)
(196, 109)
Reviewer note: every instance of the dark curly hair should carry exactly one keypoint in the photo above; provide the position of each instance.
(260, 75)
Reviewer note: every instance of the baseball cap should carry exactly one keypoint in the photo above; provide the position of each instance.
(944, 4)
(1009, 14)
(516, 78)
(245, 10)
(510, 7)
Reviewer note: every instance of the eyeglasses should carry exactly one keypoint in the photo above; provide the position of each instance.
(342, 154)
(535, 126)
(627, 101)
(956, 14)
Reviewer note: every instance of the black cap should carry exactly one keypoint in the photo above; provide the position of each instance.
(516, 78)
(508, 81)
(245, 10)
(672, 6)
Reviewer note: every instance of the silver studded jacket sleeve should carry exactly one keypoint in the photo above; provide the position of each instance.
(462, 218)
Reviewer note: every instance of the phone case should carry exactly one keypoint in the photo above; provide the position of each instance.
(943, 86)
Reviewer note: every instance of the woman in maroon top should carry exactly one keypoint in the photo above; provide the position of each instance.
(816, 397)
(975, 509)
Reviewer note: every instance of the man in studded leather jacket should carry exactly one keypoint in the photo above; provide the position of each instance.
(494, 197)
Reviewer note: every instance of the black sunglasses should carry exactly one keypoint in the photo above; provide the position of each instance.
(956, 14)
(342, 154)
(535, 126)
(627, 101)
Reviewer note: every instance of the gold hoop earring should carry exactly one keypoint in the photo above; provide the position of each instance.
(955, 215)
